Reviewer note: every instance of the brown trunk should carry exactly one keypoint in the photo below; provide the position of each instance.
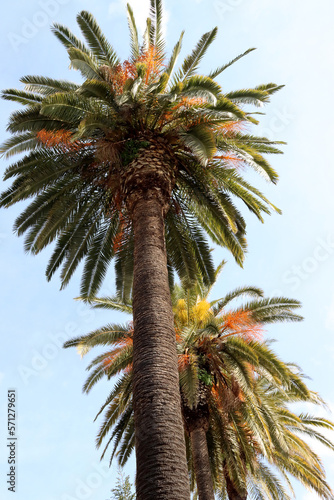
(160, 447)
(232, 493)
(199, 449)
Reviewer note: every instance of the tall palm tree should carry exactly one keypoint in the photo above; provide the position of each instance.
(235, 393)
(135, 160)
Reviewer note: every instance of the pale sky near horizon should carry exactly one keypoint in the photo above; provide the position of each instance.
(291, 254)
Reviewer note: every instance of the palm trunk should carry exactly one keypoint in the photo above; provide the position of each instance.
(160, 446)
(201, 460)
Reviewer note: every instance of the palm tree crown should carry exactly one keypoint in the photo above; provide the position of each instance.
(81, 142)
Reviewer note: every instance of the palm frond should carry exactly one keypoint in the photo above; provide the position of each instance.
(47, 86)
(97, 42)
(85, 63)
(19, 143)
(190, 64)
(250, 291)
(21, 96)
(66, 37)
(156, 35)
(99, 257)
(134, 45)
(218, 71)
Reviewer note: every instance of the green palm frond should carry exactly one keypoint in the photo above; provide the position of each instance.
(98, 89)
(271, 88)
(218, 71)
(187, 248)
(134, 43)
(19, 143)
(274, 309)
(81, 231)
(31, 120)
(124, 268)
(200, 141)
(107, 303)
(21, 96)
(173, 59)
(97, 42)
(190, 64)
(249, 96)
(47, 86)
(189, 381)
(85, 63)
(156, 36)
(105, 336)
(99, 255)
(201, 87)
(219, 304)
(66, 37)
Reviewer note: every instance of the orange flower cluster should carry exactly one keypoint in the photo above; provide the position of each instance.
(184, 102)
(188, 102)
(122, 72)
(241, 323)
(231, 159)
(153, 64)
(231, 127)
(61, 138)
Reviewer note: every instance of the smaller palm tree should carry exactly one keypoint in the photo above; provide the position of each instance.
(235, 394)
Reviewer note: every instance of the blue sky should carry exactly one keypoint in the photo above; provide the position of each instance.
(291, 254)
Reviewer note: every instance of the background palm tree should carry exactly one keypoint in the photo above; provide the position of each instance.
(235, 395)
(134, 160)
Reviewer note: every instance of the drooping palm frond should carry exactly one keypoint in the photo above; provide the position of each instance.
(47, 86)
(21, 96)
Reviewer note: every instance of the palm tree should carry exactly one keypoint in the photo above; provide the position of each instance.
(134, 161)
(234, 390)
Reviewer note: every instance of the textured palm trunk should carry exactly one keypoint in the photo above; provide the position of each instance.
(160, 446)
(201, 460)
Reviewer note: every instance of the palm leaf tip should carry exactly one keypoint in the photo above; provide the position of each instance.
(135, 49)
(218, 71)
(156, 25)
(97, 42)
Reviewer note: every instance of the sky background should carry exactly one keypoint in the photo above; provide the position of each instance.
(291, 254)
